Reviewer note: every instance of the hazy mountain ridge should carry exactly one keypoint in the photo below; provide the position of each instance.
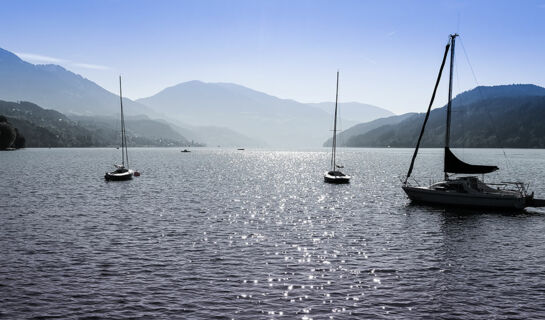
(354, 111)
(54, 87)
(344, 136)
(137, 126)
(50, 128)
(508, 116)
(46, 128)
(214, 135)
(277, 122)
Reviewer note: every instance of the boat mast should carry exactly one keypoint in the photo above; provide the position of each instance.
(427, 113)
(449, 105)
(124, 151)
(334, 144)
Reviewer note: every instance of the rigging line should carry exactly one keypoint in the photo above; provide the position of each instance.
(457, 84)
(483, 98)
(339, 130)
(339, 127)
(123, 133)
(334, 147)
(459, 102)
(472, 70)
(447, 47)
(122, 126)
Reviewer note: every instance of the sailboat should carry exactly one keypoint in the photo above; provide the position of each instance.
(465, 190)
(335, 175)
(122, 171)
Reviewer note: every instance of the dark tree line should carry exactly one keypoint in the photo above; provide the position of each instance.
(506, 122)
(10, 136)
(44, 128)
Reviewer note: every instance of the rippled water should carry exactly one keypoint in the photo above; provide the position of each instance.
(256, 234)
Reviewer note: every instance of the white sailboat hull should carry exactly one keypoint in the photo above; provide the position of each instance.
(119, 176)
(336, 177)
(450, 198)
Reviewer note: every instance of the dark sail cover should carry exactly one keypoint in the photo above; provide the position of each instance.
(455, 165)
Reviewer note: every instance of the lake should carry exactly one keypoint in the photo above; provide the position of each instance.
(257, 234)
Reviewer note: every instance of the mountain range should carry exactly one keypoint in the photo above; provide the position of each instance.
(53, 87)
(213, 113)
(508, 116)
(226, 114)
(354, 111)
(49, 128)
(362, 128)
(277, 122)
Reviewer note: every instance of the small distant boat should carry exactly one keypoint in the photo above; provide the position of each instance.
(122, 171)
(185, 150)
(241, 149)
(466, 191)
(335, 175)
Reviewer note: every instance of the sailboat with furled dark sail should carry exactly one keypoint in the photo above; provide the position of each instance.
(464, 190)
(335, 175)
(122, 171)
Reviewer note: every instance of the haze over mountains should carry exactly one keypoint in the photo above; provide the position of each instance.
(227, 114)
(53, 87)
(50, 128)
(278, 122)
(354, 111)
(361, 128)
(213, 113)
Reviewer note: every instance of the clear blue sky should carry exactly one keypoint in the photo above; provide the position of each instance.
(388, 52)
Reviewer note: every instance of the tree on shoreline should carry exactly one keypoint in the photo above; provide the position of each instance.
(10, 136)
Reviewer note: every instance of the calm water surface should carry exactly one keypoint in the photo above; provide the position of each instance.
(256, 234)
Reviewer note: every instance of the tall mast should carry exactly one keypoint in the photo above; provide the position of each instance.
(449, 105)
(124, 153)
(334, 144)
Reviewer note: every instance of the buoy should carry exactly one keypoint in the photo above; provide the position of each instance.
(137, 174)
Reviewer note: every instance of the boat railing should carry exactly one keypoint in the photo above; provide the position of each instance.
(511, 186)
(415, 183)
(406, 182)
